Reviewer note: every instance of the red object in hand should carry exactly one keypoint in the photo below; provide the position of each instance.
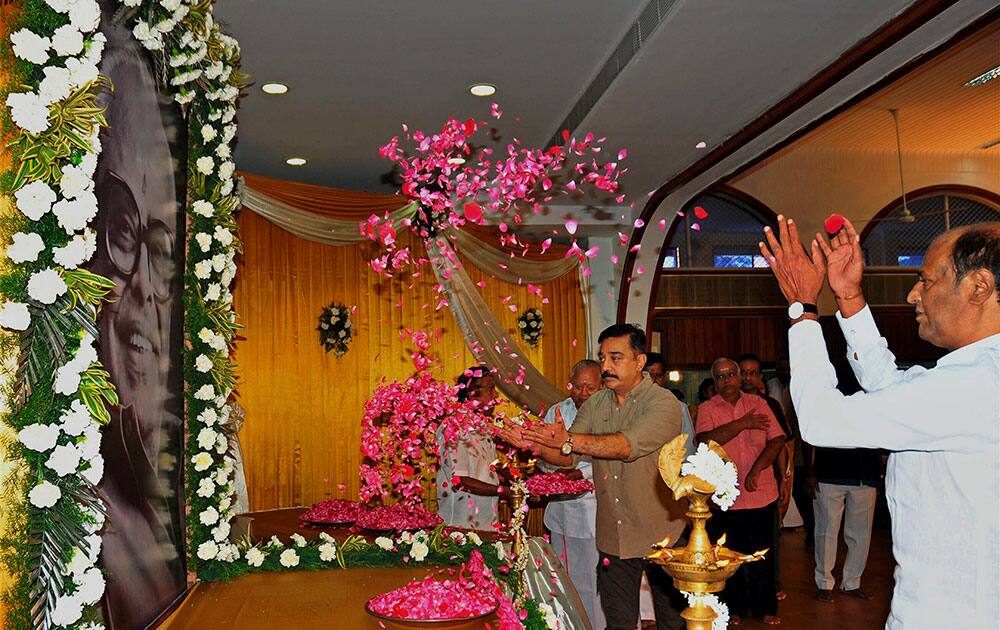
(701, 213)
(834, 223)
(557, 483)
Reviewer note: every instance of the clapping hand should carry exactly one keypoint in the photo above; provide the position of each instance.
(552, 435)
(845, 261)
(800, 274)
(513, 434)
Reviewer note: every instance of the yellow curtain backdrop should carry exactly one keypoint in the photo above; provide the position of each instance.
(303, 405)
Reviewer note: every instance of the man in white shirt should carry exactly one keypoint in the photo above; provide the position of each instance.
(942, 424)
(573, 521)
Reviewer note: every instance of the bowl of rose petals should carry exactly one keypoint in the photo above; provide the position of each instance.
(332, 512)
(397, 518)
(548, 484)
(434, 603)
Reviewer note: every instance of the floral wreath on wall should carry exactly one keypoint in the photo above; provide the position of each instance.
(58, 390)
(529, 324)
(335, 328)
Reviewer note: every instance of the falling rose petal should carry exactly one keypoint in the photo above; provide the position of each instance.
(635, 248)
(680, 213)
(640, 270)
(701, 213)
(547, 243)
(571, 185)
(662, 224)
(495, 111)
(619, 198)
(590, 253)
(623, 154)
(696, 227)
(473, 212)
(638, 223)
(571, 226)
(606, 562)
(586, 272)
(469, 127)
(834, 223)
(481, 284)
(573, 343)
(565, 135)
(546, 184)
(614, 259)
(503, 227)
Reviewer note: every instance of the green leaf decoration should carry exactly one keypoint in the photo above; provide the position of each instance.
(86, 287)
(97, 392)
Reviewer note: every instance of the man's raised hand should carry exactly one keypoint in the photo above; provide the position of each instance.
(800, 274)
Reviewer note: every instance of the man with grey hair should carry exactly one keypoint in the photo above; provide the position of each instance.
(573, 522)
(940, 424)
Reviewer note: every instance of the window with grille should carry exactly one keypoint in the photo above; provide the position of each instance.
(901, 240)
(725, 239)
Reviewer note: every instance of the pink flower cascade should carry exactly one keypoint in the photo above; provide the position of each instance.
(442, 175)
(556, 483)
(399, 431)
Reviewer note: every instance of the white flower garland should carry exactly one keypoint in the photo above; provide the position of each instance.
(721, 621)
(73, 445)
(335, 328)
(709, 467)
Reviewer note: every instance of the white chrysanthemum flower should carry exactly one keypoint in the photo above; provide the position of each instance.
(208, 550)
(28, 111)
(255, 557)
(226, 188)
(67, 40)
(213, 292)
(419, 551)
(327, 552)
(15, 316)
(79, 562)
(226, 170)
(77, 251)
(209, 516)
(208, 132)
(74, 181)
(709, 467)
(90, 446)
(223, 235)
(208, 416)
(75, 214)
(64, 459)
(383, 543)
(221, 444)
(81, 71)
(475, 539)
(219, 262)
(202, 461)
(289, 558)
(221, 531)
(299, 540)
(205, 392)
(203, 208)
(170, 5)
(223, 151)
(206, 438)
(204, 241)
(203, 363)
(501, 550)
(95, 472)
(44, 495)
(76, 419)
(90, 586)
(30, 46)
(39, 437)
(55, 86)
(84, 15)
(35, 199)
(46, 285)
(206, 487)
(67, 611)
(60, 6)
(205, 165)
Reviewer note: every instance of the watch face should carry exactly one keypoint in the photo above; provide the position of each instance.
(795, 310)
(566, 448)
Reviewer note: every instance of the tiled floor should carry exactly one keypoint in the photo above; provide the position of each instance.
(802, 610)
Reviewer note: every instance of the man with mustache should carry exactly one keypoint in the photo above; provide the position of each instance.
(940, 424)
(621, 428)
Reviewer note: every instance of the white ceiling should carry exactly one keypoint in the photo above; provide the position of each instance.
(357, 70)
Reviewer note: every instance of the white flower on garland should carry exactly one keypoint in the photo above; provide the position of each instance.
(419, 551)
(204, 241)
(64, 459)
(224, 236)
(95, 472)
(207, 438)
(90, 446)
(203, 269)
(219, 262)
(44, 495)
(208, 132)
(226, 170)
(203, 363)
(500, 549)
(74, 181)
(77, 251)
(206, 487)
(46, 285)
(68, 610)
(205, 392)
(202, 461)
(721, 621)
(209, 516)
(203, 208)
(60, 6)
(76, 419)
(255, 557)
(205, 165)
(55, 86)
(35, 199)
(208, 550)
(30, 46)
(67, 40)
(548, 615)
(299, 540)
(39, 437)
(221, 531)
(289, 558)
(25, 247)
(15, 316)
(706, 465)
(90, 585)
(84, 14)
(213, 292)
(28, 111)
(75, 214)
(383, 543)
(475, 539)
(81, 71)
(209, 416)
(327, 552)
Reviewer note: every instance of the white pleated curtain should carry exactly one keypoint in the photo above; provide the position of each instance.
(517, 378)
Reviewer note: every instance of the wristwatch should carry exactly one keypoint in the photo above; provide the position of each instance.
(567, 446)
(798, 309)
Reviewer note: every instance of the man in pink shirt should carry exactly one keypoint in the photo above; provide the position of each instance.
(746, 428)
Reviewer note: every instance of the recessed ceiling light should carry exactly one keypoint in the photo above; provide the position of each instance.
(985, 77)
(456, 160)
(700, 145)
(483, 89)
(274, 88)
(295, 161)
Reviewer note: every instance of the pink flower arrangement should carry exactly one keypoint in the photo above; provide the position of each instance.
(332, 511)
(401, 427)
(397, 517)
(475, 592)
(556, 483)
(445, 173)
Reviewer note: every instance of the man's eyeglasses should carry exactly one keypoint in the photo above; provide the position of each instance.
(124, 235)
